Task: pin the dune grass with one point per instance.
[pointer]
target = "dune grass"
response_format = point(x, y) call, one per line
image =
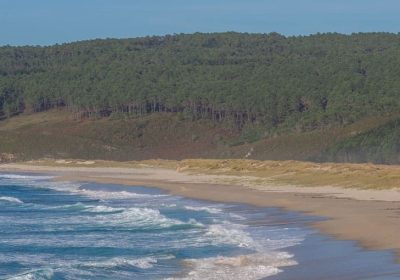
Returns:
point(296, 173)
point(363, 176)
point(51, 162)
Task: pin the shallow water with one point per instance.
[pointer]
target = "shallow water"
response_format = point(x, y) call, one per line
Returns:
point(65, 230)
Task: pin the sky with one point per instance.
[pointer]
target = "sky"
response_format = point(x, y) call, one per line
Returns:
point(46, 22)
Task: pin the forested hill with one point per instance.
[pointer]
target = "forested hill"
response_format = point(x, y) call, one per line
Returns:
point(263, 83)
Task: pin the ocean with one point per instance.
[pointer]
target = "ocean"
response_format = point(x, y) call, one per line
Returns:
point(69, 230)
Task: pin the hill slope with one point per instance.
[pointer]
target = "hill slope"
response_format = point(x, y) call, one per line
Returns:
point(56, 134)
point(265, 96)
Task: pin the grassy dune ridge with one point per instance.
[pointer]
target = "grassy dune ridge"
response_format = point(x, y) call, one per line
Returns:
point(296, 173)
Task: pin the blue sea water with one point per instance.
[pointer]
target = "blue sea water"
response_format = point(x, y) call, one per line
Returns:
point(67, 230)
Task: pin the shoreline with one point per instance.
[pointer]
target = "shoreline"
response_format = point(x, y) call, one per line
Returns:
point(369, 217)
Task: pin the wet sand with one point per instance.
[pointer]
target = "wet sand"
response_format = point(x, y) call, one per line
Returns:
point(370, 217)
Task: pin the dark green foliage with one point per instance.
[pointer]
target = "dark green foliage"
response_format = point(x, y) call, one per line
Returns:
point(265, 80)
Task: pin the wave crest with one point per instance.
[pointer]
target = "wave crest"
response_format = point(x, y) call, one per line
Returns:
point(250, 267)
point(11, 199)
point(42, 274)
point(204, 209)
point(141, 263)
point(25, 177)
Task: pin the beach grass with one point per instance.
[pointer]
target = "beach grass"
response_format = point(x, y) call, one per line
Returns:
point(363, 176)
point(170, 164)
point(296, 173)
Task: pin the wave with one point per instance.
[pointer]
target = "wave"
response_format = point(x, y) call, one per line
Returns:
point(114, 195)
point(25, 177)
point(76, 188)
point(249, 267)
point(139, 217)
point(80, 207)
point(228, 233)
point(67, 207)
point(136, 217)
point(204, 209)
point(11, 199)
point(115, 263)
point(88, 217)
point(238, 235)
point(39, 181)
point(101, 209)
point(87, 208)
point(41, 274)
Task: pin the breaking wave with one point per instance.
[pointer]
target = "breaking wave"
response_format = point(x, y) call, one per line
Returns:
point(41, 274)
point(249, 267)
point(11, 199)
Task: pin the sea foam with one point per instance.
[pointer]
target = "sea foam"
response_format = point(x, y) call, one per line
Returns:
point(210, 210)
point(42, 274)
point(25, 177)
point(228, 233)
point(10, 199)
point(249, 267)
point(141, 263)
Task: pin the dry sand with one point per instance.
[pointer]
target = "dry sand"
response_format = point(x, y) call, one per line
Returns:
point(371, 217)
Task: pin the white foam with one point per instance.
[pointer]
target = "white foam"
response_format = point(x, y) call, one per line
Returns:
point(119, 262)
point(76, 188)
point(249, 267)
point(77, 265)
point(113, 195)
point(77, 206)
point(142, 263)
point(135, 217)
point(168, 205)
point(140, 217)
point(104, 215)
point(43, 274)
point(204, 209)
point(25, 177)
point(101, 209)
point(228, 233)
point(11, 199)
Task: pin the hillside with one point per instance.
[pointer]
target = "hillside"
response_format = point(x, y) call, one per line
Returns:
point(56, 134)
point(325, 97)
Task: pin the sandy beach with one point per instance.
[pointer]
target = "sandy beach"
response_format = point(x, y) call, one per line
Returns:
point(368, 216)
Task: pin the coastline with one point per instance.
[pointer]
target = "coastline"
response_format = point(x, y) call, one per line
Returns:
point(370, 217)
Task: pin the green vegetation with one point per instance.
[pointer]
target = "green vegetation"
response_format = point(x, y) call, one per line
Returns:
point(277, 93)
point(381, 144)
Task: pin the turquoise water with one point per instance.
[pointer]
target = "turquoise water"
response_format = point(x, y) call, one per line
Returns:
point(68, 230)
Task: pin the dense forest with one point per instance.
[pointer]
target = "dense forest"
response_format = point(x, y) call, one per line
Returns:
point(267, 79)
point(261, 84)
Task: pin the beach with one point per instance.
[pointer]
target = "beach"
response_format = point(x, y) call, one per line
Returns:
point(369, 217)
point(60, 225)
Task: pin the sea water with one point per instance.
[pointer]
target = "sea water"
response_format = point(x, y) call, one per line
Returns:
point(67, 230)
